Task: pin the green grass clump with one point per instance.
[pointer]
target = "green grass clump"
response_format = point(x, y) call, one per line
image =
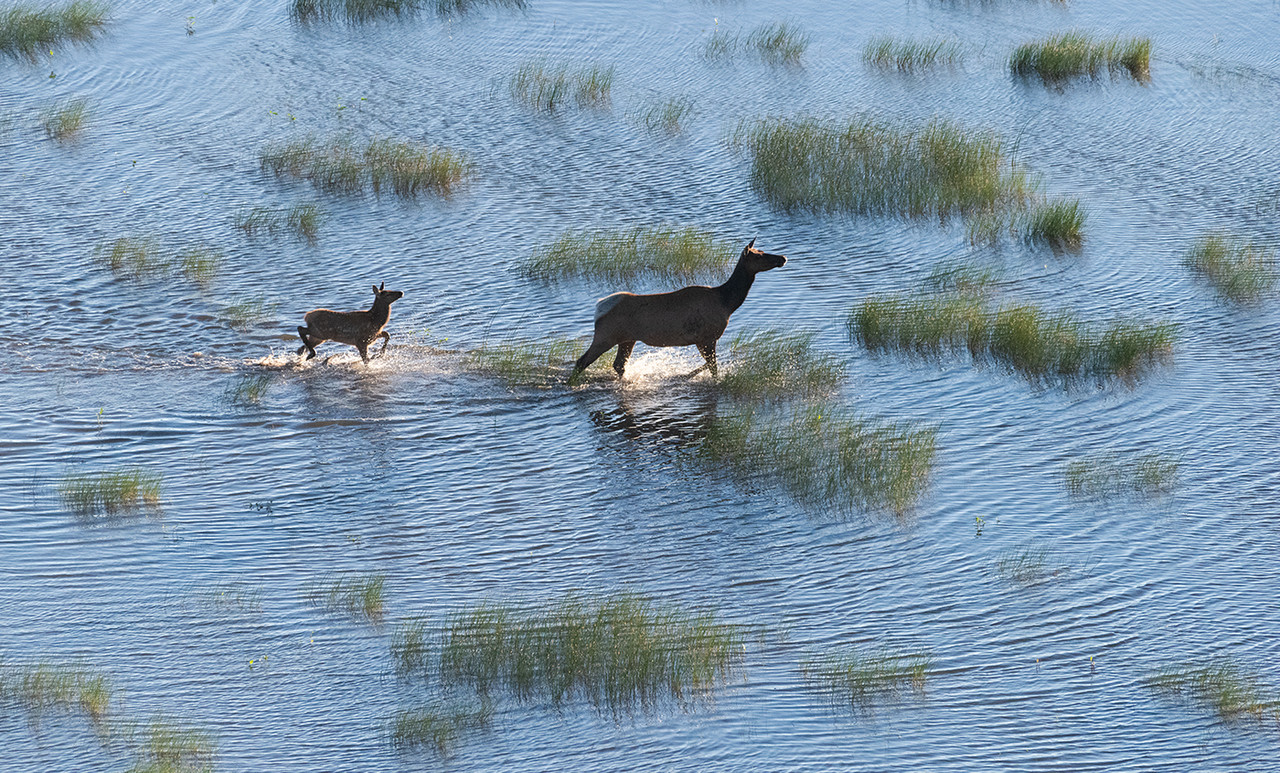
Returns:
point(1042, 346)
point(1241, 271)
point(865, 167)
point(1221, 685)
point(620, 651)
point(169, 748)
point(303, 220)
point(626, 254)
point(113, 491)
point(360, 596)
point(342, 166)
point(142, 257)
point(1113, 475)
point(670, 116)
point(42, 687)
point(1056, 223)
point(826, 456)
point(777, 43)
point(247, 312)
point(1077, 53)
point(28, 31)
point(411, 649)
point(437, 727)
point(550, 89)
point(909, 55)
point(351, 10)
point(519, 363)
point(772, 365)
point(64, 120)
point(861, 678)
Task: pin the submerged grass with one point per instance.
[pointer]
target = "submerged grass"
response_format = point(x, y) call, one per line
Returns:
point(303, 220)
point(142, 257)
point(527, 363)
point(939, 169)
point(620, 652)
point(1113, 475)
point(910, 55)
point(964, 278)
point(42, 687)
point(29, 30)
point(779, 43)
point(1028, 566)
point(670, 116)
point(624, 254)
point(341, 165)
point(1042, 346)
point(826, 456)
point(861, 678)
point(438, 727)
point(248, 390)
point(773, 364)
point(245, 313)
point(124, 490)
point(1223, 686)
point(548, 89)
point(356, 11)
point(1076, 53)
point(170, 748)
point(1241, 271)
point(360, 596)
point(63, 121)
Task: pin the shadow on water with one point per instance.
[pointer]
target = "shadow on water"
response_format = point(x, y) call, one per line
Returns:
point(677, 419)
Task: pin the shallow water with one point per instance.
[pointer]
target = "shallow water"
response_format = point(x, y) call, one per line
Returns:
point(460, 489)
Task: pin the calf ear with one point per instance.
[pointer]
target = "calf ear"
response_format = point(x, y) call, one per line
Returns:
point(751, 244)
point(375, 289)
point(382, 287)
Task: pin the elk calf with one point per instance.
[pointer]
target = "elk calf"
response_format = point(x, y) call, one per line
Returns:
point(694, 315)
point(356, 328)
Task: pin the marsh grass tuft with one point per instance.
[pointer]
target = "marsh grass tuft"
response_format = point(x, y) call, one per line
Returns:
point(524, 363)
point(1028, 567)
point(245, 313)
point(63, 121)
point(670, 116)
point(778, 43)
point(42, 687)
point(1223, 686)
point(438, 727)
point(625, 254)
point(231, 597)
point(963, 278)
point(774, 365)
point(29, 31)
point(910, 56)
point(620, 652)
point(341, 165)
point(124, 490)
point(248, 390)
point(142, 257)
point(826, 456)
point(170, 748)
point(411, 650)
point(352, 10)
point(1076, 53)
point(303, 220)
point(862, 678)
point(1241, 271)
point(1056, 223)
point(548, 90)
point(1113, 475)
point(865, 167)
point(360, 596)
point(1042, 346)
point(459, 7)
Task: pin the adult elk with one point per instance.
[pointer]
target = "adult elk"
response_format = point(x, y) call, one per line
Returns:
point(356, 328)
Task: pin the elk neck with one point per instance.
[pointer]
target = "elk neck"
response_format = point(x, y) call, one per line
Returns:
point(734, 291)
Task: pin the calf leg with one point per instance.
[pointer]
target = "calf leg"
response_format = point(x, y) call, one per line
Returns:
point(386, 340)
point(709, 354)
point(364, 352)
point(307, 345)
point(624, 351)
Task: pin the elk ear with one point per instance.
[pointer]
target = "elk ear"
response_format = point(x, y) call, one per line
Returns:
point(382, 287)
point(375, 289)
point(751, 244)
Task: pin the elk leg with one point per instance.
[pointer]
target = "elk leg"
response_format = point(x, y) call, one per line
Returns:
point(624, 351)
point(364, 353)
point(307, 345)
point(592, 354)
point(386, 340)
point(709, 354)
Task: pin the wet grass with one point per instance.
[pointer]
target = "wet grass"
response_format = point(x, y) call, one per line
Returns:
point(861, 678)
point(1028, 567)
point(864, 167)
point(63, 121)
point(1059, 223)
point(351, 10)
point(910, 56)
point(139, 258)
point(626, 254)
point(529, 363)
point(438, 727)
point(248, 390)
point(964, 278)
point(42, 687)
point(669, 117)
point(777, 365)
point(245, 313)
point(167, 747)
point(28, 30)
point(548, 90)
point(778, 43)
point(411, 649)
point(1042, 346)
point(1074, 53)
point(826, 456)
point(360, 596)
point(1112, 475)
point(1241, 271)
point(112, 492)
point(341, 165)
point(303, 220)
point(1223, 686)
point(620, 652)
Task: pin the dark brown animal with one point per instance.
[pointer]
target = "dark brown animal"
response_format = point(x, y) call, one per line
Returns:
point(356, 328)
point(694, 315)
